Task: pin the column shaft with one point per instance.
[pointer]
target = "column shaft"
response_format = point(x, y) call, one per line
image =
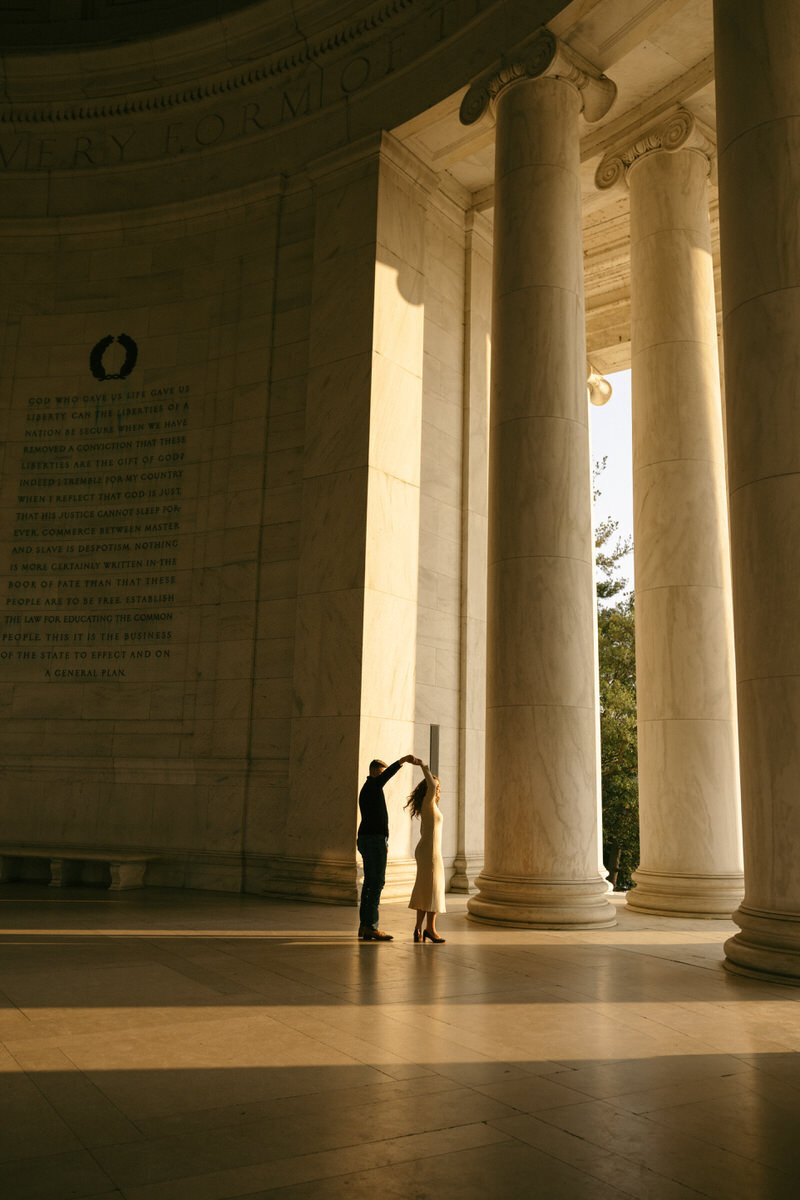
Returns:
point(691, 861)
point(472, 675)
point(757, 49)
point(542, 853)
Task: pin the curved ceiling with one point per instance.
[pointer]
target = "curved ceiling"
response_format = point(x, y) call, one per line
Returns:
point(40, 25)
point(267, 87)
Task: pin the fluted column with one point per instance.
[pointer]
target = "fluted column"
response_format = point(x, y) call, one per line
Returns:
point(757, 49)
point(689, 809)
point(542, 845)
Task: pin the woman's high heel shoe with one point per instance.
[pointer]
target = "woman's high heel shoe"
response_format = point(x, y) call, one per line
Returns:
point(434, 937)
point(418, 935)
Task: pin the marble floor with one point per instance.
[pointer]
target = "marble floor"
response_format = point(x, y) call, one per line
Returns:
point(168, 1045)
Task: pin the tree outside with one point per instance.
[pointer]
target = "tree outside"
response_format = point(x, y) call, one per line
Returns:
point(618, 747)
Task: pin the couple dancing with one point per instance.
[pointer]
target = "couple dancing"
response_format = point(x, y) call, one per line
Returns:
point(427, 896)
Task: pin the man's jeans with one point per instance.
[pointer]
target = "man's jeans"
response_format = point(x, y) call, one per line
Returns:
point(373, 848)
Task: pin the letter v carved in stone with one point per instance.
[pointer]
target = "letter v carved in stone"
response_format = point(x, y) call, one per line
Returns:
point(7, 157)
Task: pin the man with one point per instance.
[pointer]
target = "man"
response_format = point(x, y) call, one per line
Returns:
point(372, 840)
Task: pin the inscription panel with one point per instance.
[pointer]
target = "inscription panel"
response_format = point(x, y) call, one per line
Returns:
point(98, 501)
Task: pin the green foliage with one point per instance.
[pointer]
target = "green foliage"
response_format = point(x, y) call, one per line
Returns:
point(607, 560)
point(618, 754)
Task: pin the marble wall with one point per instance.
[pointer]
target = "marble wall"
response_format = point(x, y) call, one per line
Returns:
point(319, 522)
point(438, 647)
point(132, 500)
point(273, 661)
point(451, 637)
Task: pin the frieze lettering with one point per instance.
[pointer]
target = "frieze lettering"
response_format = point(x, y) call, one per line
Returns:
point(261, 97)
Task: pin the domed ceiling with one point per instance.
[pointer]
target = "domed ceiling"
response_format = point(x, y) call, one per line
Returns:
point(103, 84)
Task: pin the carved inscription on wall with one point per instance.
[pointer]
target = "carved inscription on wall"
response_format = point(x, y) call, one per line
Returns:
point(263, 95)
point(95, 534)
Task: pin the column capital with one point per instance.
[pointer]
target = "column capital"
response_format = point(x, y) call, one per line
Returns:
point(541, 55)
point(681, 130)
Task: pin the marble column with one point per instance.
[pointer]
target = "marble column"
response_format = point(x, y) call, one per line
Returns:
point(689, 808)
point(542, 845)
point(472, 676)
point(757, 50)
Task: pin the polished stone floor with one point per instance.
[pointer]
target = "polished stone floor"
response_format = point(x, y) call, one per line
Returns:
point(167, 1045)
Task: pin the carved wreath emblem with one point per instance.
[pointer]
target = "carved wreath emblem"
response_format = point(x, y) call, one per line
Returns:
point(96, 357)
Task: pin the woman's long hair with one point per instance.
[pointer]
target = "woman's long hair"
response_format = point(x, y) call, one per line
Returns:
point(414, 801)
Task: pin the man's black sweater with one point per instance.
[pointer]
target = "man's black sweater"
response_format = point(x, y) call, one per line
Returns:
point(372, 803)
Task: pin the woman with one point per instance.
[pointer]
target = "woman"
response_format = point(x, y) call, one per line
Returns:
point(427, 896)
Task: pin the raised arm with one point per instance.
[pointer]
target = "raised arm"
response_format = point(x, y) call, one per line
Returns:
point(392, 770)
point(430, 789)
point(419, 763)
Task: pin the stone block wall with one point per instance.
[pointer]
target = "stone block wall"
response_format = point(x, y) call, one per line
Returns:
point(232, 538)
point(132, 498)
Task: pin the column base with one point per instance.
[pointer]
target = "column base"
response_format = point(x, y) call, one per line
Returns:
point(466, 869)
point(542, 904)
point(323, 881)
point(767, 948)
point(400, 876)
point(705, 896)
